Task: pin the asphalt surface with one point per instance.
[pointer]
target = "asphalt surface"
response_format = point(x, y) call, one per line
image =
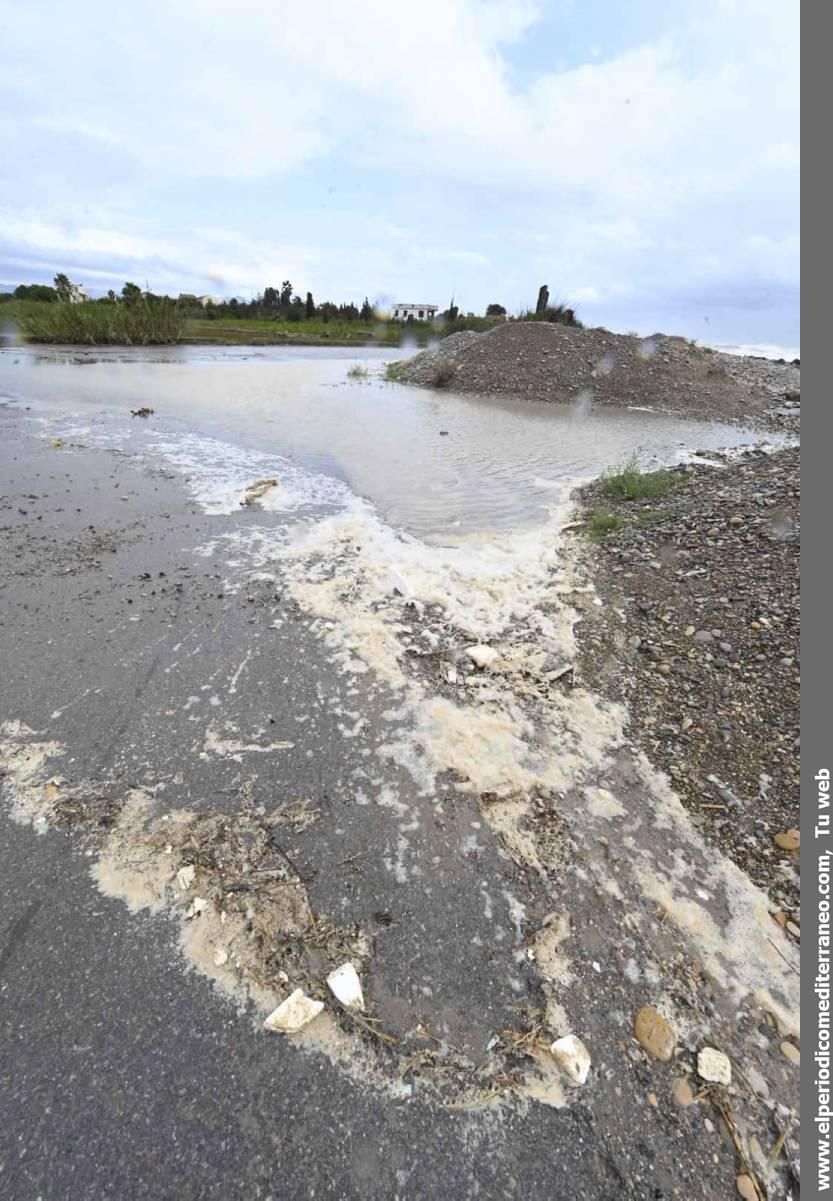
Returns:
point(126, 1073)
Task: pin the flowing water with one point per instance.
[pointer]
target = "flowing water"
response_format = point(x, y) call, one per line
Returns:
point(434, 464)
point(406, 525)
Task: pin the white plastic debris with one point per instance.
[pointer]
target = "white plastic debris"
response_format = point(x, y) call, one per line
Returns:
point(346, 986)
point(185, 876)
point(196, 907)
point(220, 957)
point(482, 655)
point(572, 1057)
point(398, 583)
point(714, 1066)
point(294, 1013)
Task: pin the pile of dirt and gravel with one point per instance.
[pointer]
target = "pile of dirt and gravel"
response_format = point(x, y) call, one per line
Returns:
point(699, 634)
point(541, 361)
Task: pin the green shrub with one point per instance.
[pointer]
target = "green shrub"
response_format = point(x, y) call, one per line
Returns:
point(555, 314)
point(629, 483)
point(443, 374)
point(147, 323)
point(601, 522)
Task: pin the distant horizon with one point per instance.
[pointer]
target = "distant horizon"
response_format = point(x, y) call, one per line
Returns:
point(768, 349)
point(786, 346)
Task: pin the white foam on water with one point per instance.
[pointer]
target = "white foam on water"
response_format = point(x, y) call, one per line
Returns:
point(218, 473)
point(372, 589)
point(353, 567)
point(364, 582)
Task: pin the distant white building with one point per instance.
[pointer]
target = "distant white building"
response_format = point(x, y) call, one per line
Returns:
point(419, 312)
point(77, 295)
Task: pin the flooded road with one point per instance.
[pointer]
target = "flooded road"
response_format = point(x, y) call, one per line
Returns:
point(435, 464)
point(343, 724)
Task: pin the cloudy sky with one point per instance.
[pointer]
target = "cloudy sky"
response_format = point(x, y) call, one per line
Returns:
point(640, 158)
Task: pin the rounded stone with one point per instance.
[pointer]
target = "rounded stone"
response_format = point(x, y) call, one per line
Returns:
point(655, 1033)
point(746, 1188)
point(790, 1051)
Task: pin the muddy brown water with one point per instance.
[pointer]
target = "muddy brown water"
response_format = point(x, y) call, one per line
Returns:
point(435, 464)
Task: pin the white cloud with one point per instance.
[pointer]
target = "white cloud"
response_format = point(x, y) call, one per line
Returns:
point(472, 258)
point(147, 134)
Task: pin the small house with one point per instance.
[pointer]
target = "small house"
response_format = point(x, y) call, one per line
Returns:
point(418, 312)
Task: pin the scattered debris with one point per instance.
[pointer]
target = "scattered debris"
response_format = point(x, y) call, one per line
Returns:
point(345, 985)
point(144, 411)
point(185, 876)
point(655, 1033)
point(561, 672)
point(714, 1066)
point(772, 1158)
point(297, 1011)
point(572, 1057)
point(254, 492)
point(482, 656)
point(57, 442)
point(197, 906)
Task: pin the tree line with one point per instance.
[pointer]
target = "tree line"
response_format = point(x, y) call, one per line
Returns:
point(283, 302)
point(278, 304)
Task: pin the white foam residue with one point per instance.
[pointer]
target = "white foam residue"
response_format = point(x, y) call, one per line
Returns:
point(602, 803)
point(509, 731)
point(234, 748)
point(367, 582)
point(481, 583)
point(517, 913)
point(218, 474)
point(396, 863)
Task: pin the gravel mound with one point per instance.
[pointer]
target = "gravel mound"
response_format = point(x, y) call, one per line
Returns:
point(699, 633)
point(539, 361)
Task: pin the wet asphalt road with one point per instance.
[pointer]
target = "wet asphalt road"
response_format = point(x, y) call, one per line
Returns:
point(122, 1073)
